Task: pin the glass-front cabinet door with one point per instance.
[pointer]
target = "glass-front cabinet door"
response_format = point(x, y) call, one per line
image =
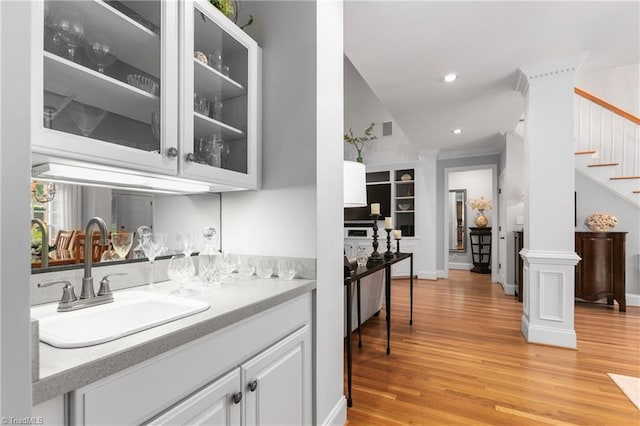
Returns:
point(219, 94)
point(109, 87)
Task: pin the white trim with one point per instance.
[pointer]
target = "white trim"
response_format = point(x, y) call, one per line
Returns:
point(428, 275)
point(480, 152)
point(460, 265)
point(632, 299)
point(442, 274)
point(548, 336)
point(509, 289)
point(542, 257)
point(337, 416)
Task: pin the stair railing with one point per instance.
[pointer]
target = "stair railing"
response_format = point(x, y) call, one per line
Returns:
point(611, 132)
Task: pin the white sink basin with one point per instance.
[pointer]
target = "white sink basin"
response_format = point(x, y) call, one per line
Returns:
point(131, 312)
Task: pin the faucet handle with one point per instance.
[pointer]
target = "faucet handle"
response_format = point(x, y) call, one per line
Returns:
point(68, 294)
point(104, 283)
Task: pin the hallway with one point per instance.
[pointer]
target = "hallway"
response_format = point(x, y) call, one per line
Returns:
point(464, 361)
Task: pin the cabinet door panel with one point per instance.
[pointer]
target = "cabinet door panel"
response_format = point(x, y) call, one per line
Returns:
point(212, 405)
point(115, 104)
point(283, 375)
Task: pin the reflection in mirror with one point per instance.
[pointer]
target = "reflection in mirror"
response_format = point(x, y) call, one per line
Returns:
point(457, 227)
point(67, 213)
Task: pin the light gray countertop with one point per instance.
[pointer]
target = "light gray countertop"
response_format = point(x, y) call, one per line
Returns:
point(63, 370)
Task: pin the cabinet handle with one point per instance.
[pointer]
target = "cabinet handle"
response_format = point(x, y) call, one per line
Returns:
point(236, 397)
point(253, 385)
point(172, 152)
point(190, 157)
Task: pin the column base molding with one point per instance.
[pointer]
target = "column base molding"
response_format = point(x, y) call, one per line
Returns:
point(548, 336)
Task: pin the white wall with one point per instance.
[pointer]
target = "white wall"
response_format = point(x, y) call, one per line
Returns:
point(187, 213)
point(513, 166)
point(591, 197)
point(478, 183)
point(299, 211)
point(361, 108)
point(619, 86)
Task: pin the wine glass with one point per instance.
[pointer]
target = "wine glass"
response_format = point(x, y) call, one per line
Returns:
point(86, 117)
point(122, 241)
point(56, 98)
point(152, 245)
point(181, 268)
point(185, 242)
point(68, 27)
point(101, 51)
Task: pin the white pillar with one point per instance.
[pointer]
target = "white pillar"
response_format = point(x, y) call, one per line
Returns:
point(549, 256)
point(425, 261)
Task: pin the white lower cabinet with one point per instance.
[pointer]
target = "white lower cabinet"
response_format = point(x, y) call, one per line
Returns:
point(258, 371)
point(270, 389)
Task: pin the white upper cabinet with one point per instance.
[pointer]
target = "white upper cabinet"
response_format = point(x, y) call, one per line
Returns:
point(219, 98)
point(117, 81)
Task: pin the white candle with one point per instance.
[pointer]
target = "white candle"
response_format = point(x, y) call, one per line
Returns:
point(375, 208)
point(388, 223)
point(397, 234)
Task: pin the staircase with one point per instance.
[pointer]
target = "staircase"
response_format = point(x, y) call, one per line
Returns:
point(607, 145)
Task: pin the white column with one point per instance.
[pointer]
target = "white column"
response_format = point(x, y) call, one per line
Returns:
point(549, 256)
point(425, 260)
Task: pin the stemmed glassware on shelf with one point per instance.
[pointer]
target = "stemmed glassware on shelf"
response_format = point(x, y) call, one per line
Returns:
point(100, 51)
point(86, 117)
point(68, 29)
point(153, 243)
point(55, 98)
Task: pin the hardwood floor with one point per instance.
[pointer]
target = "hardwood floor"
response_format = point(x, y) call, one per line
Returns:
point(464, 361)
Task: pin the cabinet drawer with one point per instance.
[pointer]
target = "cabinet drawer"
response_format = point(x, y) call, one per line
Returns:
point(142, 391)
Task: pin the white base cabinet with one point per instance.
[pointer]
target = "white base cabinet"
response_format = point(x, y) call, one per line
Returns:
point(258, 371)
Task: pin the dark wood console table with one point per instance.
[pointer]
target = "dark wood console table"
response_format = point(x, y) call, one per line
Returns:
point(360, 273)
point(519, 263)
point(601, 271)
point(480, 249)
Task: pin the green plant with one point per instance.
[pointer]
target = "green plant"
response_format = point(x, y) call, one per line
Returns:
point(359, 142)
point(230, 9)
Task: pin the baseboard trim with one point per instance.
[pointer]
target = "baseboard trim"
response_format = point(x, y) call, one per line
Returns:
point(632, 299)
point(337, 416)
point(443, 274)
point(464, 266)
point(428, 275)
point(509, 289)
point(548, 336)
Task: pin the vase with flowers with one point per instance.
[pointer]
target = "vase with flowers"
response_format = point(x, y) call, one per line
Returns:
point(359, 142)
point(481, 204)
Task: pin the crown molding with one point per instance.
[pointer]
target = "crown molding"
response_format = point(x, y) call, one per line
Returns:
point(528, 73)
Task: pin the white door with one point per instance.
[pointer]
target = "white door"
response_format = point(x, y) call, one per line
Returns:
point(216, 404)
point(277, 383)
point(502, 231)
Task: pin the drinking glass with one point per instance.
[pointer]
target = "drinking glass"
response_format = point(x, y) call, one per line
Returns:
point(264, 267)
point(362, 258)
point(86, 117)
point(181, 269)
point(152, 245)
point(68, 28)
point(122, 241)
point(286, 269)
point(247, 266)
point(216, 107)
point(56, 98)
point(230, 262)
point(155, 124)
point(215, 59)
point(200, 104)
point(185, 242)
point(101, 51)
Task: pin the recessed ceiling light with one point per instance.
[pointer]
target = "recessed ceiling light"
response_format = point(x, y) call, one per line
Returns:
point(449, 78)
point(456, 131)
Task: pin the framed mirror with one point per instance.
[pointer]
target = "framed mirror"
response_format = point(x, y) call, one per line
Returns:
point(457, 222)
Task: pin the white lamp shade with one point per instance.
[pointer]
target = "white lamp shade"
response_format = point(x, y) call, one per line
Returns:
point(355, 187)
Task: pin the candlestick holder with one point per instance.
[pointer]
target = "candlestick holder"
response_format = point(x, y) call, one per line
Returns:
point(398, 246)
point(375, 257)
point(388, 255)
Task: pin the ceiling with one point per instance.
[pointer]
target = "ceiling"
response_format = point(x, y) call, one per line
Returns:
point(402, 49)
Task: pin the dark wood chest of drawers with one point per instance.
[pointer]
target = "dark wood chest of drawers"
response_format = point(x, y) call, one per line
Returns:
point(601, 272)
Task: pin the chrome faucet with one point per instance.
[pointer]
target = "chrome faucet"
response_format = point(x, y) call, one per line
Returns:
point(44, 246)
point(87, 282)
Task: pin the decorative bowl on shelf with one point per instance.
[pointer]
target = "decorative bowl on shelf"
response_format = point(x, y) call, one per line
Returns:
point(143, 83)
point(600, 222)
point(404, 206)
point(405, 176)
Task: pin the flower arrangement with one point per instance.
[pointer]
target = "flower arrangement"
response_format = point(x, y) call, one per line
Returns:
point(481, 204)
point(600, 222)
point(359, 141)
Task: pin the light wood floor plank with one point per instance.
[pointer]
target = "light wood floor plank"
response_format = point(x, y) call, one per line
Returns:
point(464, 361)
